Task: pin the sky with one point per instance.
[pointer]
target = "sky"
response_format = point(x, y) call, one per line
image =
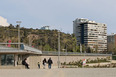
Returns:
point(58, 14)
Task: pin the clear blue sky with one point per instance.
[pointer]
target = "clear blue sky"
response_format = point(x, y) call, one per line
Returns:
point(59, 14)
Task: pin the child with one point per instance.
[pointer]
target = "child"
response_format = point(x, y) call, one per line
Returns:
point(38, 65)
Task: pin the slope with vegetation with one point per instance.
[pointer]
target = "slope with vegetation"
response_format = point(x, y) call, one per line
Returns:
point(45, 40)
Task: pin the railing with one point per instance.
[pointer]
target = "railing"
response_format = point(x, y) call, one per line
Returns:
point(73, 53)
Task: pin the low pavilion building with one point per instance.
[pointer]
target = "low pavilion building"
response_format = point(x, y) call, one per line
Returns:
point(12, 57)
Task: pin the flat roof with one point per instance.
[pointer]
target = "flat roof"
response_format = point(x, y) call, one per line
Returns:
point(26, 49)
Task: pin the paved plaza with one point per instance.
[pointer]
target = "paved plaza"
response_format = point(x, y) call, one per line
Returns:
point(61, 72)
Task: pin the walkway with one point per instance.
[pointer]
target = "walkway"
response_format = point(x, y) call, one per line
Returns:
point(62, 72)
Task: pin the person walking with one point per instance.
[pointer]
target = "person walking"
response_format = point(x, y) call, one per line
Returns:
point(44, 63)
point(50, 63)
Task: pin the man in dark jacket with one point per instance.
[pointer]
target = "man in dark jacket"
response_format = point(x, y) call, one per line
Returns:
point(49, 63)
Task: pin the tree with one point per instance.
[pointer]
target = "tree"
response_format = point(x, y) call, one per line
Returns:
point(41, 39)
point(47, 48)
point(11, 26)
point(88, 50)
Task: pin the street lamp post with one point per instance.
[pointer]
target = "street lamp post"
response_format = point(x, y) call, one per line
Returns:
point(80, 48)
point(29, 39)
point(19, 22)
point(58, 49)
point(66, 53)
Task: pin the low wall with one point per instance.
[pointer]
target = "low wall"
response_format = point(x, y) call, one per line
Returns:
point(68, 58)
point(33, 61)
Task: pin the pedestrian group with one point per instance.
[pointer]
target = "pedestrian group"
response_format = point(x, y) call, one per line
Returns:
point(49, 62)
point(44, 62)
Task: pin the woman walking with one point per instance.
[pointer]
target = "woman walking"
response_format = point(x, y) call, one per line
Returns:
point(44, 63)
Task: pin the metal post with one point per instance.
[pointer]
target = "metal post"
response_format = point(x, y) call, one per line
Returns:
point(29, 39)
point(58, 49)
point(15, 59)
point(80, 48)
point(18, 34)
point(66, 53)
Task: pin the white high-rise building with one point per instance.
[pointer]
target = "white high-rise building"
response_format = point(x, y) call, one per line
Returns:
point(91, 34)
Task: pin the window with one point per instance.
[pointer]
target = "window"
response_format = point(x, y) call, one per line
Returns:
point(7, 59)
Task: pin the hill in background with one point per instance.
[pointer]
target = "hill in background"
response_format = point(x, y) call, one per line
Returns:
point(45, 40)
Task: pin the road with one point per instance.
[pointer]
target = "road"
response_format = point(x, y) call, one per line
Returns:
point(62, 72)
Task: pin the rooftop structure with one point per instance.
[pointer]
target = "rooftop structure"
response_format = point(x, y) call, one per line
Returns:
point(45, 28)
point(24, 49)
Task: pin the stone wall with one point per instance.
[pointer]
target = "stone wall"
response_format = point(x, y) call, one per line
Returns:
point(33, 61)
point(68, 59)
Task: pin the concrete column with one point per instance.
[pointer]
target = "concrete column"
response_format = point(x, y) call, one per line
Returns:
point(15, 59)
point(20, 59)
point(0, 60)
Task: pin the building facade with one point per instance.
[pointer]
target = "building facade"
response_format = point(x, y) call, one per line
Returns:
point(91, 34)
point(111, 42)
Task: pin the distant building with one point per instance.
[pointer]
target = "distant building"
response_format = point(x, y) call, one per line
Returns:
point(111, 41)
point(45, 28)
point(91, 34)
